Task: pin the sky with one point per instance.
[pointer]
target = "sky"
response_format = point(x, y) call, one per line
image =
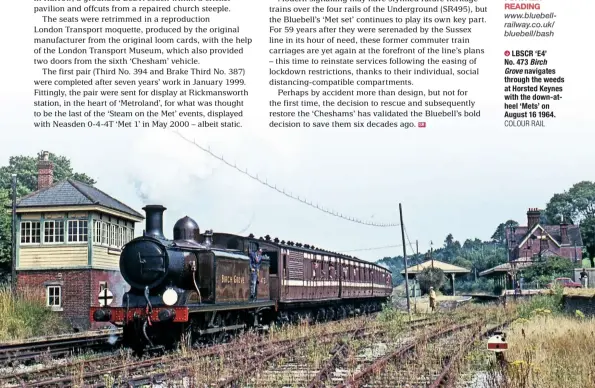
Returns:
point(459, 176)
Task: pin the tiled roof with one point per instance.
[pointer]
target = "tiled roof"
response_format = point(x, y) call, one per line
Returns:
point(445, 267)
point(574, 234)
point(70, 192)
point(506, 267)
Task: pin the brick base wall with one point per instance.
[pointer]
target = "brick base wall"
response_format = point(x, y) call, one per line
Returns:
point(585, 304)
point(80, 290)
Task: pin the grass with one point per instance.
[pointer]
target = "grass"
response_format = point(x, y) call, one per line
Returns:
point(26, 316)
point(548, 351)
point(547, 348)
point(580, 291)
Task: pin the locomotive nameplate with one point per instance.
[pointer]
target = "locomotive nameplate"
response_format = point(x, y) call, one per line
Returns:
point(233, 279)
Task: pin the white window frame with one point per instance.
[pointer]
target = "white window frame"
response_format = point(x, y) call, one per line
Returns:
point(78, 237)
point(53, 306)
point(97, 231)
point(104, 233)
point(112, 235)
point(29, 233)
point(54, 235)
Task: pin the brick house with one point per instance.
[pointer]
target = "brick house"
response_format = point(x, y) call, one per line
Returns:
point(534, 240)
point(527, 244)
point(69, 241)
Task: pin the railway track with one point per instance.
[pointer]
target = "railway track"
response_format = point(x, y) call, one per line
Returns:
point(448, 376)
point(224, 365)
point(137, 372)
point(363, 357)
point(58, 346)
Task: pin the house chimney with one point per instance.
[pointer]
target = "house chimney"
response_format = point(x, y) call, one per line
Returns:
point(533, 217)
point(564, 233)
point(45, 171)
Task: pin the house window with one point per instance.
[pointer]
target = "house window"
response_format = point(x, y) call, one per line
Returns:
point(54, 296)
point(102, 286)
point(97, 230)
point(53, 232)
point(77, 231)
point(30, 232)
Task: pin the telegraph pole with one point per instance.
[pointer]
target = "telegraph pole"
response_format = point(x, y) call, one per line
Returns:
point(13, 275)
point(405, 261)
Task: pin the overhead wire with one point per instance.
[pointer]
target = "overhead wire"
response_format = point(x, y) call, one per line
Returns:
point(282, 191)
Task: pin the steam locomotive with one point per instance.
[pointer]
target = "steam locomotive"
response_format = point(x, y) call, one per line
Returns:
point(197, 285)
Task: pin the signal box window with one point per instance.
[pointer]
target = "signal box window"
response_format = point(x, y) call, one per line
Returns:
point(77, 231)
point(30, 232)
point(54, 297)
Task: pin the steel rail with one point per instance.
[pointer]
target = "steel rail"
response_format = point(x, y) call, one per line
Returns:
point(446, 378)
point(379, 364)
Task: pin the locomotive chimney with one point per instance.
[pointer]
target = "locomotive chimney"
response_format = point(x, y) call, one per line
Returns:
point(154, 224)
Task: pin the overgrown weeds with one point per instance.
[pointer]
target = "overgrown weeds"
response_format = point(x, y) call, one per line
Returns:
point(25, 315)
point(551, 302)
point(548, 351)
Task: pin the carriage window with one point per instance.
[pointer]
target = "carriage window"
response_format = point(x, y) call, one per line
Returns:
point(285, 264)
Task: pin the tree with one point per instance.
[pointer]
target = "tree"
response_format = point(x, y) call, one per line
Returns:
point(588, 234)
point(26, 169)
point(551, 268)
point(500, 233)
point(451, 248)
point(430, 277)
point(576, 204)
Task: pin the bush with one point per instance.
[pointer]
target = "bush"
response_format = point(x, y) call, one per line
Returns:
point(551, 302)
point(27, 316)
point(430, 277)
point(544, 272)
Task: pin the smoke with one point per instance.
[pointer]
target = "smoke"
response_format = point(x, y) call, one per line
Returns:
point(118, 287)
point(141, 190)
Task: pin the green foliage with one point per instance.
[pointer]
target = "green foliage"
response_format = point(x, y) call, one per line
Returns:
point(499, 235)
point(390, 314)
point(544, 272)
point(575, 204)
point(430, 277)
point(26, 169)
point(550, 303)
point(395, 265)
point(5, 235)
point(481, 285)
point(26, 316)
point(588, 235)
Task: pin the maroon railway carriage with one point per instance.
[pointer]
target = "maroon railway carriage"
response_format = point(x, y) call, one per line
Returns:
point(304, 280)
